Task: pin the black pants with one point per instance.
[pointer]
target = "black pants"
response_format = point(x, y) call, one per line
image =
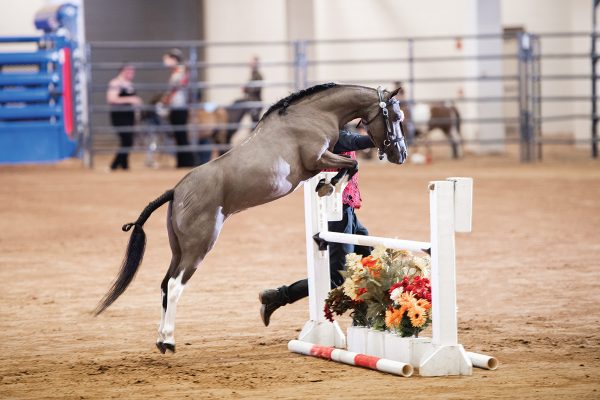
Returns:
point(120, 119)
point(337, 256)
point(178, 117)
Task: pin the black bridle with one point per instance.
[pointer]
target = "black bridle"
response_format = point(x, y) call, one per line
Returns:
point(389, 135)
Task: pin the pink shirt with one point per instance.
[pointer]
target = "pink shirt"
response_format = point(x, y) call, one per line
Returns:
point(351, 194)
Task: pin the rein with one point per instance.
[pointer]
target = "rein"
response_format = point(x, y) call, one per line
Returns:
point(389, 136)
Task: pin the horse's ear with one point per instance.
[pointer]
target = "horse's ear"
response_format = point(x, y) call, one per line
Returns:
point(397, 91)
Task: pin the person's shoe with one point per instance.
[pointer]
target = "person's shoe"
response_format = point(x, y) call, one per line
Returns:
point(270, 302)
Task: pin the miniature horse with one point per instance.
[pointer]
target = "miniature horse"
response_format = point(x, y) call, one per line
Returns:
point(291, 143)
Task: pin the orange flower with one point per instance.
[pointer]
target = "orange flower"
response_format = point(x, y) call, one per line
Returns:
point(408, 298)
point(424, 304)
point(417, 316)
point(368, 261)
point(393, 318)
point(373, 265)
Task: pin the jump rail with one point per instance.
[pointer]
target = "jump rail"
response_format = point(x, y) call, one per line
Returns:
point(450, 211)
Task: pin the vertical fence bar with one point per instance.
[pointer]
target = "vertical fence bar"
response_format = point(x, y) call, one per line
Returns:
point(411, 89)
point(594, 59)
point(300, 65)
point(524, 96)
point(536, 76)
point(193, 94)
point(88, 134)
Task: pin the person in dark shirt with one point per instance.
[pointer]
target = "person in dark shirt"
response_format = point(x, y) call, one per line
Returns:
point(122, 99)
point(272, 299)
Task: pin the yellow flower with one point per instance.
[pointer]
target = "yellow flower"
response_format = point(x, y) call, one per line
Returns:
point(352, 260)
point(417, 316)
point(393, 318)
point(349, 288)
point(422, 264)
point(379, 251)
point(403, 253)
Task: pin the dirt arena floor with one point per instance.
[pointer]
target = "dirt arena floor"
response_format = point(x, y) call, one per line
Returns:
point(528, 287)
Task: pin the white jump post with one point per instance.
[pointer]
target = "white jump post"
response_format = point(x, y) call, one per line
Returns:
point(318, 329)
point(450, 203)
point(450, 212)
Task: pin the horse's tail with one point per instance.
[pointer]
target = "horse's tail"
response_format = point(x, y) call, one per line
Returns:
point(135, 253)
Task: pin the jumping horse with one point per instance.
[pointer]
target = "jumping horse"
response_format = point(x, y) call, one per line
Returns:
point(291, 143)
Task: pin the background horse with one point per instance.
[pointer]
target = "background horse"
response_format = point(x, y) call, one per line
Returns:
point(426, 117)
point(291, 143)
point(226, 119)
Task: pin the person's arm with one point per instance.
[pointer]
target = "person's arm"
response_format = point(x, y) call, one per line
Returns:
point(352, 141)
point(112, 94)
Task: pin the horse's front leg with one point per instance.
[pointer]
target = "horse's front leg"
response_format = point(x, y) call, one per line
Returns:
point(329, 160)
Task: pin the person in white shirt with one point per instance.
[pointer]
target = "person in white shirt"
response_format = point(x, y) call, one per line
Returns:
point(176, 98)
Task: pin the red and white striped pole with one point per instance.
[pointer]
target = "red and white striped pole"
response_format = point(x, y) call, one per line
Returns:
point(350, 358)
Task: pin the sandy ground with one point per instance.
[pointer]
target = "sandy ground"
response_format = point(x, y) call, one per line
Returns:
point(528, 287)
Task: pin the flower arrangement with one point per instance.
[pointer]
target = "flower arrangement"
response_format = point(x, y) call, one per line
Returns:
point(387, 290)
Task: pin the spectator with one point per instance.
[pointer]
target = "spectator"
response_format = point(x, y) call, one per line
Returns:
point(122, 99)
point(252, 92)
point(177, 100)
point(253, 89)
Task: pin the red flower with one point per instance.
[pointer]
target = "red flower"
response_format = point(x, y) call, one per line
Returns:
point(328, 313)
point(394, 286)
point(361, 291)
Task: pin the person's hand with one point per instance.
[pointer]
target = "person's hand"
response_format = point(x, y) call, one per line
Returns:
point(137, 101)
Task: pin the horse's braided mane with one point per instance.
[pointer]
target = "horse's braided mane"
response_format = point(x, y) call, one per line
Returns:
point(284, 103)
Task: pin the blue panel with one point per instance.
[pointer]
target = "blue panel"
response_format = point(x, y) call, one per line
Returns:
point(35, 57)
point(29, 112)
point(19, 39)
point(29, 143)
point(20, 79)
point(25, 95)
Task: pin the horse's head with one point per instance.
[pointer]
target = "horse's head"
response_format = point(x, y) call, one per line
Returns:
point(385, 127)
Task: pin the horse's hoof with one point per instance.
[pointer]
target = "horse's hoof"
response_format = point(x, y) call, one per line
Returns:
point(321, 183)
point(161, 347)
point(170, 347)
point(325, 190)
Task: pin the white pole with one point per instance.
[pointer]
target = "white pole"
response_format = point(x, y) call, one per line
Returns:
point(317, 211)
point(361, 240)
point(483, 361)
point(317, 260)
point(443, 263)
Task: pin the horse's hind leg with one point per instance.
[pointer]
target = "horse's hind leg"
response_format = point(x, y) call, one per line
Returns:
point(175, 259)
point(454, 139)
point(171, 289)
point(194, 243)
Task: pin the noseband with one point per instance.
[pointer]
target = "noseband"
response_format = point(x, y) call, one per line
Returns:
point(389, 135)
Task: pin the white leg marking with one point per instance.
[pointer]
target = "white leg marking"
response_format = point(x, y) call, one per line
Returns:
point(161, 337)
point(175, 288)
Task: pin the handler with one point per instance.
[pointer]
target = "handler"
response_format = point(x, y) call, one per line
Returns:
point(272, 299)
